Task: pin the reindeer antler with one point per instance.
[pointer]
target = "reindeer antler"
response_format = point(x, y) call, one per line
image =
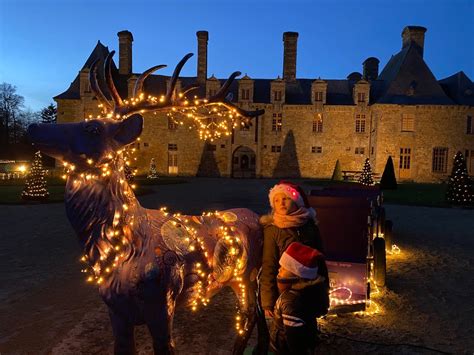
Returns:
point(168, 101)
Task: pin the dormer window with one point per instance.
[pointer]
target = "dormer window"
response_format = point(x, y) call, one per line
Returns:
point(245, 94)
point(212, 92)
point(361, 97)
point(318, 96)
point(277, 95)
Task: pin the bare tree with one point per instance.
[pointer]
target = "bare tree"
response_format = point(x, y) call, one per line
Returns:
point(10, 106)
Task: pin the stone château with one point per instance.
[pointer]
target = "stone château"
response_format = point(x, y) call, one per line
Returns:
point(403, 112)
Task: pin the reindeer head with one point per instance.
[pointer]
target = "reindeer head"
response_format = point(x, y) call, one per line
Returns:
point(86, 144)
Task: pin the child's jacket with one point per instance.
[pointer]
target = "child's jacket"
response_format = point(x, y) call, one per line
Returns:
point(294, 329)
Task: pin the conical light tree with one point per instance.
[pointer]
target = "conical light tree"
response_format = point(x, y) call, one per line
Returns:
point(152, 174)
point(388, 180)
point(459, 190)
point(35, 188)
point(366, 176)
point(337, 173)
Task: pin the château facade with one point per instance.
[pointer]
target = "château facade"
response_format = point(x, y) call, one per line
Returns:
point(403, 112)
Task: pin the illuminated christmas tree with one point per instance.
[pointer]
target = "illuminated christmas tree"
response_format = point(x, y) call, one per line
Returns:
point(459, 190)
point(366, 176)
point(35, 188)
point(152, 174)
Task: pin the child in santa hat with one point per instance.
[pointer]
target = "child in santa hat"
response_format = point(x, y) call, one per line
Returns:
point(303, 282)
point(292, 220)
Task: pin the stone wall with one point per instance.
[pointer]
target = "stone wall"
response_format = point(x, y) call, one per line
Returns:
point(435, 126)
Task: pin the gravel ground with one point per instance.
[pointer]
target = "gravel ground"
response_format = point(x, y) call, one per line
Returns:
point(46, 307)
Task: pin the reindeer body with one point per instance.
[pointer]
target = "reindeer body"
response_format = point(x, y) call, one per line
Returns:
point(147, 262)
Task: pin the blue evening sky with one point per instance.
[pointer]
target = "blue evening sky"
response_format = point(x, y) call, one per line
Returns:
point(44, 43)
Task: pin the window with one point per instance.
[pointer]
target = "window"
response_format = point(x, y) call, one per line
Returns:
point(470, 126)
point(318, 123)
point(405, 158)
point(359, 150)
point(318, 96)
point(276, 122)
point(245, 94)
point(211, 147)
point(172, 147)
point(145, 144)
point(372, 151)
point(316, 149)
point(222, 145)
point(277, 95)
point(212, 92)
point(360, 123)
point(172, 125)
point(172, 163)
point(408, 123)
point(361, 97)
point(440, 159)
point(276, 148)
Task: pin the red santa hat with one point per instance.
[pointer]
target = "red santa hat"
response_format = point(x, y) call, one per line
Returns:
point(291, 190)
point(301, 260)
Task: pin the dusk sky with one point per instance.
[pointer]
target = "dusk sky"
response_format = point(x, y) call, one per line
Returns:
point(44, 43)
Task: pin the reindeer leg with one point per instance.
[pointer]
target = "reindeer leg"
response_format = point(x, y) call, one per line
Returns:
point(124, 340)
point(160, 326)
point(249, 310)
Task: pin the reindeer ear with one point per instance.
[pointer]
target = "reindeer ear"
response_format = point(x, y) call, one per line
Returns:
point(129, 129)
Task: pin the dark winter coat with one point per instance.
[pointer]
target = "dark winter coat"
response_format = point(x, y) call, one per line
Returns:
point(294, 329)
point(276, 240)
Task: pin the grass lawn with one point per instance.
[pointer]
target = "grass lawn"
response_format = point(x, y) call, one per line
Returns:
point(10, 190)
point(431, 195)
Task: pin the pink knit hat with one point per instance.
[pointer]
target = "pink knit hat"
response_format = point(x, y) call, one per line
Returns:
point(291, 190)
point(301, 260)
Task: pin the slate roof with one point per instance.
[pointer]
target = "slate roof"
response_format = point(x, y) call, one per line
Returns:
point(460, 88)
point(405, 79)
point(408, 81)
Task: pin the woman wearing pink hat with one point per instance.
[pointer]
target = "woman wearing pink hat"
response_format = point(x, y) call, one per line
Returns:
point(291, 220)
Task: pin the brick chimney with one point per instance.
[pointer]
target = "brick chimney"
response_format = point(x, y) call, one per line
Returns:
point(289, 56)
point(414, 35)
point(125, 52)
point(203, 37)
point(371, 68)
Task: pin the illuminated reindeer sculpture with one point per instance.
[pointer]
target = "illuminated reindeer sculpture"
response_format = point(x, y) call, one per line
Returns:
point(147, 262)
